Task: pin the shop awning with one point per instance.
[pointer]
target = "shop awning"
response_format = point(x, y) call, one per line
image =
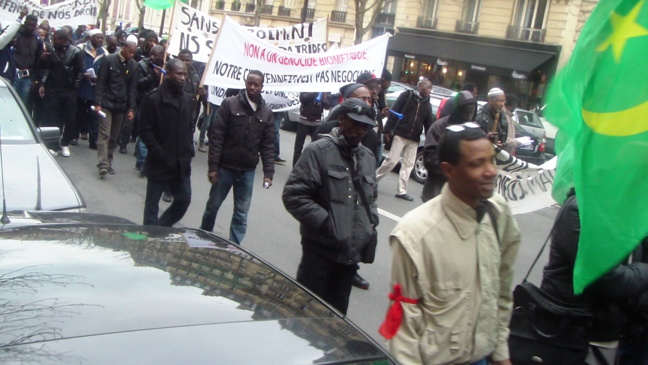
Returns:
point(470, 51)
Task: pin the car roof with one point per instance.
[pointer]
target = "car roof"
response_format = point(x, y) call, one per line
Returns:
point(123, 293)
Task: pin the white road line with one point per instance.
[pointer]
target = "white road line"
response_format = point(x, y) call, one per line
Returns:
point(391, 216)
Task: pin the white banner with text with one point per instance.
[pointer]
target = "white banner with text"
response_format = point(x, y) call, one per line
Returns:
point(72, 12)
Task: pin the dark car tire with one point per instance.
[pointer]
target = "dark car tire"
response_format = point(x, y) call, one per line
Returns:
point(419, 172)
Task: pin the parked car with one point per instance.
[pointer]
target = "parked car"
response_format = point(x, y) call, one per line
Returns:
point(106, 291)
point(396, 88)
point(32, 178)
point(534, 152)
point(550, 130)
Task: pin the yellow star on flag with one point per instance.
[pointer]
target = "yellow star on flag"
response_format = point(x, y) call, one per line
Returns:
point(625, 27)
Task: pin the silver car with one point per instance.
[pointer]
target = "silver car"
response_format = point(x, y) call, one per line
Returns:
point(32, 178)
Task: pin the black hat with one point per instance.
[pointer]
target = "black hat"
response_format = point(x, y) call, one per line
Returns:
point(367, 77)
point(358, 110)
point(348, 89)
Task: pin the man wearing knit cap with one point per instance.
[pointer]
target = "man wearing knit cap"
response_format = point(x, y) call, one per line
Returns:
point(491, 117)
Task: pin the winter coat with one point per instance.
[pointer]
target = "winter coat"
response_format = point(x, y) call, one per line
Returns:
point(147, 81)
point(166, 129)
point(417, 116)
point(604, 296)
point(240, 135)
point(485, 118)
point(116, 84)
point(310, 111)
point(321, 195)
point(86, 88)
point(64, 73)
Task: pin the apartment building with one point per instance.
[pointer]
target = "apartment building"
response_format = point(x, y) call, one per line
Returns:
point(517, 45)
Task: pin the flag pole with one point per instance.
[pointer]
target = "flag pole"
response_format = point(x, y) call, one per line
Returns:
point(170, 35)
point(204, 76)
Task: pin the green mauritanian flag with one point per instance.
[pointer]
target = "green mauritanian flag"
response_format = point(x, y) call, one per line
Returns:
point(160, 4)
point(599, 102)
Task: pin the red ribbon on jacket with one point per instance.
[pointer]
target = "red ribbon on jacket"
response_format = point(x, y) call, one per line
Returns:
point(394, 317)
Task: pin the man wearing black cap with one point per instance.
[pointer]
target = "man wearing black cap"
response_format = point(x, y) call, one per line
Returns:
point(332, 192)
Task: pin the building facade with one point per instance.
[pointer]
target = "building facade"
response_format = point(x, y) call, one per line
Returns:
point(517, 45)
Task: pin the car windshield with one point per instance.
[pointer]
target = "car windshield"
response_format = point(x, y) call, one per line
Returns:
point(529, 119)
point(14, 127)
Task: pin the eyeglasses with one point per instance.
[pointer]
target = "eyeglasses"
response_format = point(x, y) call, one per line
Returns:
point(362, 110)
point(462, 127)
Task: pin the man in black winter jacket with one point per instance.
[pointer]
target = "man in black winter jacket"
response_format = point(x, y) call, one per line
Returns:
point(323, 193)
point(115, 97)
point(603, 297)
point(417, 111)
point(62, 70)
point(167, 130)
point(243, 131)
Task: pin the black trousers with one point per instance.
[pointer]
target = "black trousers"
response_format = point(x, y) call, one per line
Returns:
point(302, 131)
point(328, 279)
point(62, 106)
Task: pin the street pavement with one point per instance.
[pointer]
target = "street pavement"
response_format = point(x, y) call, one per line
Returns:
point(272, 232)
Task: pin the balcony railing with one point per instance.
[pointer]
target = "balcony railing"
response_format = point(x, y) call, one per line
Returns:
point(266, 9)
point(283, 11)
point(467, 27)
point(423, 22)
point(525, 34)
point(386, 19)
point(310, 13)
point(338, 16)
point(250, 7)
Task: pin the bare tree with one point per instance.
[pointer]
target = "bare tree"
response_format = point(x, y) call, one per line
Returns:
point(363, 8)
point(103, 13)
point(142, 12)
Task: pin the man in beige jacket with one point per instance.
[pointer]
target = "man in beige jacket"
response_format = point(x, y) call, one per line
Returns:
point(452, 264)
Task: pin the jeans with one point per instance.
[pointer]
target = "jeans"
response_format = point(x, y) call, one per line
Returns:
point(181, 191)
point(277, 124)
point(23, 88)
point(208, 120)
point(302, 131)
point(141, 151)
point(242, 181)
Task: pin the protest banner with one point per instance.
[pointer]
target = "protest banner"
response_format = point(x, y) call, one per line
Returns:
point(193, 30)
point(526, 187)
point(307, 38)
point(73, 12)
point(237, 51)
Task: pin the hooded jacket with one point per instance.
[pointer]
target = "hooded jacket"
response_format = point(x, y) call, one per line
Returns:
point(433, 136)
point(321, 195)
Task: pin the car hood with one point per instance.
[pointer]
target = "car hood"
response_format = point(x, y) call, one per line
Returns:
point(34, 181)
point(132, 294)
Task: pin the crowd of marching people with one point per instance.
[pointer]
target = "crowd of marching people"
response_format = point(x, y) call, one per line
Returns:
point(453, 256)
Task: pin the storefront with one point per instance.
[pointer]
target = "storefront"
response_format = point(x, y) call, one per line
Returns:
point(452, 59)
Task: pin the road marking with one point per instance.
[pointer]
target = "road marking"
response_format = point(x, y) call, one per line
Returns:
point(391, 216)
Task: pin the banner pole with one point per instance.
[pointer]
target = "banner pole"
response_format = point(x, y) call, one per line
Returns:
point(202, 80)
point(327, 31)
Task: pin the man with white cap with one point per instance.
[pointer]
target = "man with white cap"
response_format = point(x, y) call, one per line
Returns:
point(332, 192)
point(491, 117)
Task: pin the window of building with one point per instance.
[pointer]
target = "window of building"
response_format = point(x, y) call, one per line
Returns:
point(469, 20)
point(429, 17)
point(529, 20)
